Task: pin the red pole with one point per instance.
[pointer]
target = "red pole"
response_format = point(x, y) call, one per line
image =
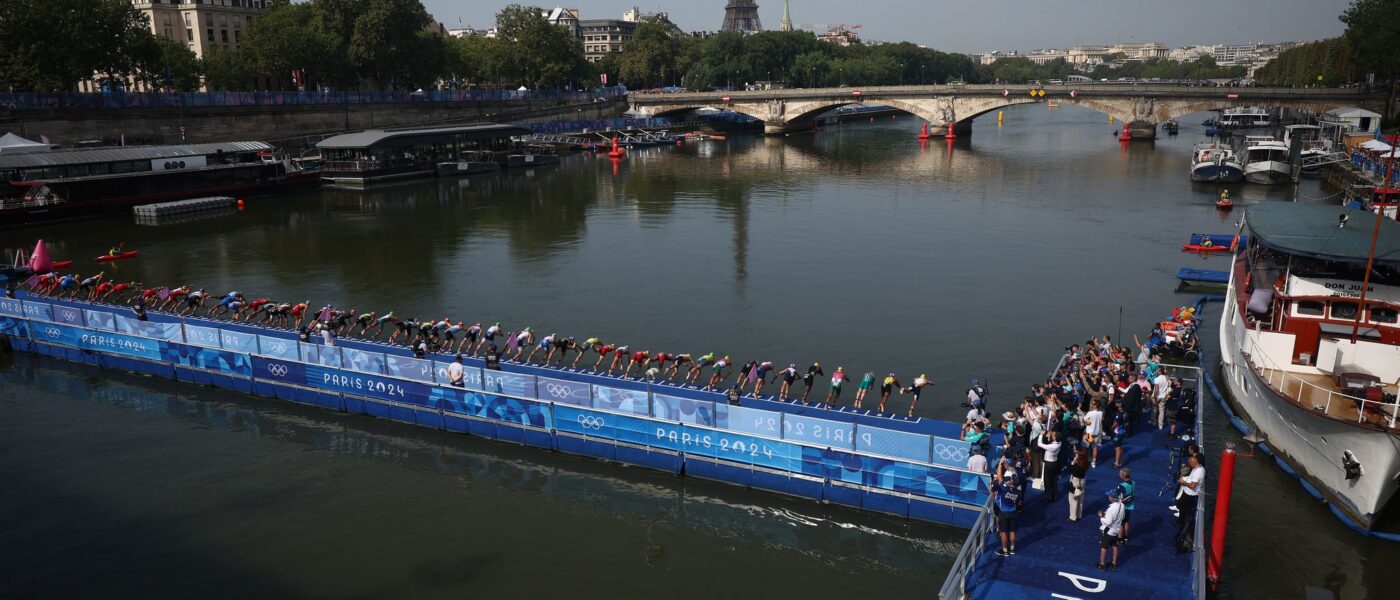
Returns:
point(1222, 514)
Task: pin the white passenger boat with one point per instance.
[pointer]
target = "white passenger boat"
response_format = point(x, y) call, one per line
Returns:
point(1213, 162)
point(1266, 160)
point(1312, 360)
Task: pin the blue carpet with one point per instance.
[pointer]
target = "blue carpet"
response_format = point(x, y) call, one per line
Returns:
point(1049, 546)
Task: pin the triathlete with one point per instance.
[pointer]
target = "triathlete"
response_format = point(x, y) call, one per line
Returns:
point(809, 379)
point(603, 350)
point(175, 297)
point(639, 360)
point(522, 340)
point(546, 343)
point(148, 297)
point(404, 327)
point(226, 303)
point(788, 376)
point(299, 311)
point(918, 386)
point(89, 286)
point(659, 359)
point(886, 386)
point(760, 377)
point(742, 379)
point(469, 338)
point(102, 290)
point(677, 361)
point(700, 364)
point(588, 344)
point(864, 388)
point(719, 372)
point(563, 346)
point(488, 338)
point(277, 313)
point(618, 354)
point(257, 306)
point(837, 378)
point(122, 288)
point(450, 334)
point(193, 301)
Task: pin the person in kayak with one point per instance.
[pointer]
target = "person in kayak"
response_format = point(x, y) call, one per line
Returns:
point(917, 387)
point(699, 367)
point(864, 388)
point(837, 378)
point(588, 344)
point(116, 250)
point(809, 379)
point(677, 362)
point(788, 376)
point(886, 387)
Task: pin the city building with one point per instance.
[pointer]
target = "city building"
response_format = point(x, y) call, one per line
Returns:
point(741, 16)
point(841, 35)
point(564, 17)
point(204, 26)
point(786, 23)
point(602, 37)
point(1041, 57)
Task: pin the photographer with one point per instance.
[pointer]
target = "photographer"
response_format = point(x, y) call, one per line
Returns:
point(1192, 484)
point(1050, 443)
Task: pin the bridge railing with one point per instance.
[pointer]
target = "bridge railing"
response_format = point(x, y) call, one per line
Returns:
point(100, 100)
point(1083, 89)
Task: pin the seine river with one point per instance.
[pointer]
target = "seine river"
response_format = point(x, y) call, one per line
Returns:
point(854, 247)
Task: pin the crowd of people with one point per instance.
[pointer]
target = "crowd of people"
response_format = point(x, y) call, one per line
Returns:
point(495, 344)
point(1085, 412)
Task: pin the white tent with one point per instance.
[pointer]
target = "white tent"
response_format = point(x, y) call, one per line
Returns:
point(13, 144)
point(1376, 146)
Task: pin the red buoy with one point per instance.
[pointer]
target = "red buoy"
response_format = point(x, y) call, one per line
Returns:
point(616, 151)
point(241, 204)
point(1125, 137)
point(923, 134)
point(951, 135)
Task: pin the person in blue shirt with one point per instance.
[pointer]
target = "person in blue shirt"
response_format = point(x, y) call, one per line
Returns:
point(1007, 490)
point(1127, 487)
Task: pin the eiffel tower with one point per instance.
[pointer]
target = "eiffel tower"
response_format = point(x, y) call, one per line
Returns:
point(741, 16)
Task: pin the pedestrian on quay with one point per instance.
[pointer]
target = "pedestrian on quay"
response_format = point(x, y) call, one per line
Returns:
point(1093, 431)
point(1161, 391)
point(1110, 526)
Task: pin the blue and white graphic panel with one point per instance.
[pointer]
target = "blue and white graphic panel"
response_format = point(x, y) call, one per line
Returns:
point(821, 432)
point(38, 310)
point(950, 452)
point(617, 427)
point(279, 348)
point(749, 420)
point(636, 402)
point(370, 386)
point(409, 368)
point(508, 383)
point(364, 362)
point(202, 336)
point(742, 448)
point(684, 410)
point(209, 359)
point(279, 370)
point(98, 319)
point(888, 442)
point(68, 315)
point(326, 356)
point(12, 307)
point(471, 376)
point(236, 341)
point(563, 391)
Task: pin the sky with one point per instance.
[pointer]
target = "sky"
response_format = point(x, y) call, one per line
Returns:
point(975, 26)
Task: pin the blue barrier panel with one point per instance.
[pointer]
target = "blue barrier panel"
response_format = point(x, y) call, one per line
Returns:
point(14, 327)
point(212, 359)
point(97, 319)
point(325, 356)
point(743, 448)
point(492, 406)
point(113, 343)
point(749, 420)
point(408, 368)
point(563, 391)
point(171, 332)
point(895, 475)
point(369, 386)
point(897, 444)
point(617, 427)
point(822, 432)
point(279, 370)
point(238, 342)
point(949, 452)
point(202, 336)
point(279, 348)
point(38, 310)
point(631, 401)
point(68, 315)
point(509, 383)
point(364, 362)
point(684, 410)
point(11, 306)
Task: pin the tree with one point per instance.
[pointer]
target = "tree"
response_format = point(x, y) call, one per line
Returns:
point(292, 37)
point(176, 68)
point(225, 71)
point(536, 53)
point(649, 59)
point(1373, 32)
point(48, 45)
point(386, 41)
point(1327, 62)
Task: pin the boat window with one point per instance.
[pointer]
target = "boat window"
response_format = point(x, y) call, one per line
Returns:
point(1310, 308)
point(1381, 314)
point(1344, 310)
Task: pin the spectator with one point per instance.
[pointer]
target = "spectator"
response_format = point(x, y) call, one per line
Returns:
point(455, 373)
point(1050, 476)
point(1127, 487)
point(1006, 486)
point(1078, 468)
point(1110, 526)
point(1191, 485)
point(1161, 391)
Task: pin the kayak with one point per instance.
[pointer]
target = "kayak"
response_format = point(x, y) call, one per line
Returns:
point(1224, 204)
point(62, 264)
point(1200, 248)
point(122, 256)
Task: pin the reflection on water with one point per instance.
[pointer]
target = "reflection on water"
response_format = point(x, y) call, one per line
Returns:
point(856, 246)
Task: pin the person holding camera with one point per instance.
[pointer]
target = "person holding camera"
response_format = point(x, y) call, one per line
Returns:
point(1050, 444)
point(1192, 483)
point(1078, 469)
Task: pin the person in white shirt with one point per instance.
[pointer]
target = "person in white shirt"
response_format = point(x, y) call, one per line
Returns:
point(977, 463)
point(1191, 486)
point(1161, 390)
point(1093, 430)
point(455, 372)
point(1050, 443)
point(1110, 525)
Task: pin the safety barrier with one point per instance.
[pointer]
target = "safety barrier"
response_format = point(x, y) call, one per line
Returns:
point(72, 100)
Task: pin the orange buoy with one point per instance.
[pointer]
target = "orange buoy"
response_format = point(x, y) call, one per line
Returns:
point(923, 133)
point(951, 135)
point(241, 204)
point(1125, 137)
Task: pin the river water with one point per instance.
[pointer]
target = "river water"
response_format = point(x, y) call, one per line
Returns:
point(855, 247)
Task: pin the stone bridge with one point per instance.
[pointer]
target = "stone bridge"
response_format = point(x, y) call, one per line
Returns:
point(1141, 106)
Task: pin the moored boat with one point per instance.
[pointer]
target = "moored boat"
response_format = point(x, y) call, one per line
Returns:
point(1266, 160)
point(1213, 162)
point(1311, 348)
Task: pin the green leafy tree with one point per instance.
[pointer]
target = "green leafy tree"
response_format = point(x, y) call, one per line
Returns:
point(176, 67)
point(649, 59)
point(50, 45)
point(229, 71)
point(537, 54)
point(1373, 33)
point(386, 41)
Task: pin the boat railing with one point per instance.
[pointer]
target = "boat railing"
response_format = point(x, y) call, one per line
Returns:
point(356, 166)
point(954, 586)
point(1312, 396)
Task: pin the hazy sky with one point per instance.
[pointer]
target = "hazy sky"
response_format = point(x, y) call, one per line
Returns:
point(985, 25)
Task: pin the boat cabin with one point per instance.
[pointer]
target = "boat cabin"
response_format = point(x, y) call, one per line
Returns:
point(1299, 280)
point(20, 172)
point(387, 154)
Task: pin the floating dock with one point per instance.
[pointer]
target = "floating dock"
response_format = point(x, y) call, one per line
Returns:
point(1203, 277)
point(183, 210)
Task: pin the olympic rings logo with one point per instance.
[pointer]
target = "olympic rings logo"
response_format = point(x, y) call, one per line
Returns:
point(278, 370)
point(277, 347)
point(950, 452)
point(558, 391)
point(53, 332)
point(591, 422)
